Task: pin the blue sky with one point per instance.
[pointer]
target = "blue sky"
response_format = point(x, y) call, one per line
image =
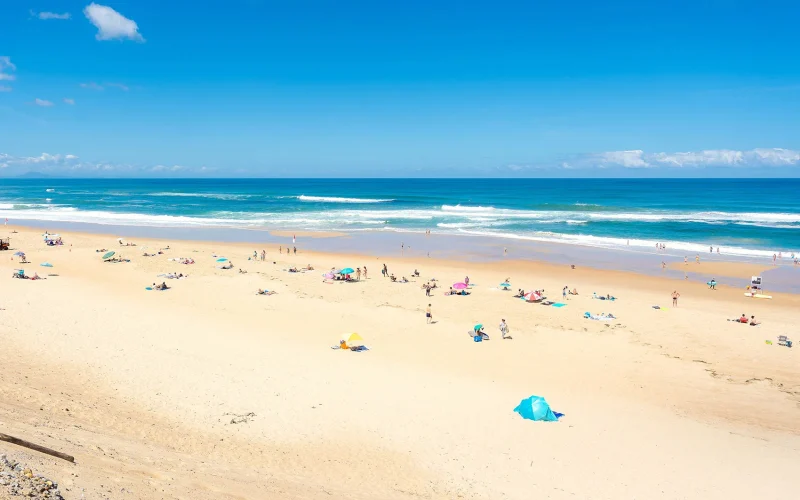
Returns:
point(268, 88)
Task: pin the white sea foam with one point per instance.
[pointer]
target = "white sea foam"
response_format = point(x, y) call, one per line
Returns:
point(334, 199)
point(616, 243)
point(50, 190)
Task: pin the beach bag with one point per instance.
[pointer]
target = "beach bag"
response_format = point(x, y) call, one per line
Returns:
point(477, 338)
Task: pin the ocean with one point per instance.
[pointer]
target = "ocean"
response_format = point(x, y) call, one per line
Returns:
point(745, 218)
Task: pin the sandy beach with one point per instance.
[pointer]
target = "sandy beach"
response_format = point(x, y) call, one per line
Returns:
point(208, 390)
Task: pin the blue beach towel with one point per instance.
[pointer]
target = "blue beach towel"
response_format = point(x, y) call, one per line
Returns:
point(559, 304)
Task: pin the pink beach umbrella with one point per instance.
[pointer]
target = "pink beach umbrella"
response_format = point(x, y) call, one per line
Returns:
point(532, 297)
point(460, 286)
point(328, 276)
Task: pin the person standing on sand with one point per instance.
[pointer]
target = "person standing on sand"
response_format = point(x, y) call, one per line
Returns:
point(365, 272)
point(675, 296)
point(280, 250)
point(428, 315)
point(697, 258)
point(428, 290)
point(663, 265)
point(385, 271)
point(685, 261)
point(504, 329)
point(564, 292)
point(255, 254)
point(295, 250)
point(358, 274)
point(263, 255)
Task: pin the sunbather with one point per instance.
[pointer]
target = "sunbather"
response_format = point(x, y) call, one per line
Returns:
point(754, 321)
point(574, 291)
point(265, 292)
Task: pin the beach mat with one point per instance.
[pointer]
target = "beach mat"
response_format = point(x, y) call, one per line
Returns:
point(559, 304)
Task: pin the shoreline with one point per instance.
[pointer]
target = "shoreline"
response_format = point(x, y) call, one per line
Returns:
point(730, 271)
point(409, 418)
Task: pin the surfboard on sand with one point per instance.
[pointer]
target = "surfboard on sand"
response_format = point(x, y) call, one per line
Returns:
point(757, 295)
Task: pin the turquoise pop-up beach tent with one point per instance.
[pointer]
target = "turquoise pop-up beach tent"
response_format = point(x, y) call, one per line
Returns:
point(535, 408)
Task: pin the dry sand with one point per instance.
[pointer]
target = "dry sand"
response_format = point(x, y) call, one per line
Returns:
point(142, 386)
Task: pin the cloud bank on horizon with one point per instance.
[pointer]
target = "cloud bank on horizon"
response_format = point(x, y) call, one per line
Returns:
point(778, 161)
point(638, 159)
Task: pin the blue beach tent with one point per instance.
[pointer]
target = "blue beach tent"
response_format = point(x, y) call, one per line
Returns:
point(535, 408)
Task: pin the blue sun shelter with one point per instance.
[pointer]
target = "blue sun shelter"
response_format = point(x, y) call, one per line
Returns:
point(536, 408)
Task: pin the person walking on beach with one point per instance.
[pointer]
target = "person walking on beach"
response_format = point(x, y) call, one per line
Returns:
point(263, 255)
point(774, 256)
point(428, 315)
point(428, 290)
point(255, 254)
point(685, 261)
point(675, 296)
point(385, 271)
point(504, 329)
point(365, 272)
point(280, 250)
point(564, 292)
point(697, 258)
point(295, 250)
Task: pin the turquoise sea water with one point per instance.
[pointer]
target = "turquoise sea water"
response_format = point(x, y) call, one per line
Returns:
point(755, 217)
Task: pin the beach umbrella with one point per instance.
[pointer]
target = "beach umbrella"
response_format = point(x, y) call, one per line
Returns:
point(222, 259)
point(478, 327)
point(328, 276)
point(346, 270)
point(535, 408)
point(459, 286)
point(505, 285)
point(533, 296)
point(19, 254)
point(46, 264)
point(108, 255)
point(352, 338)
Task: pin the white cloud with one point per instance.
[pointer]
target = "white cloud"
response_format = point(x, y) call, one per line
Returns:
point(5, 66)
point(71, 165)
point(119, 86)
point(69, 101)
point(628, 159)
point(42, 102)
point(3, 88)
point(760, 157)
point(110, 24)
point(91, 86)
point(51, 15)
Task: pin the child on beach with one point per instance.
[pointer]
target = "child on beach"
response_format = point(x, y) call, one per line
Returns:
point(504, 329)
